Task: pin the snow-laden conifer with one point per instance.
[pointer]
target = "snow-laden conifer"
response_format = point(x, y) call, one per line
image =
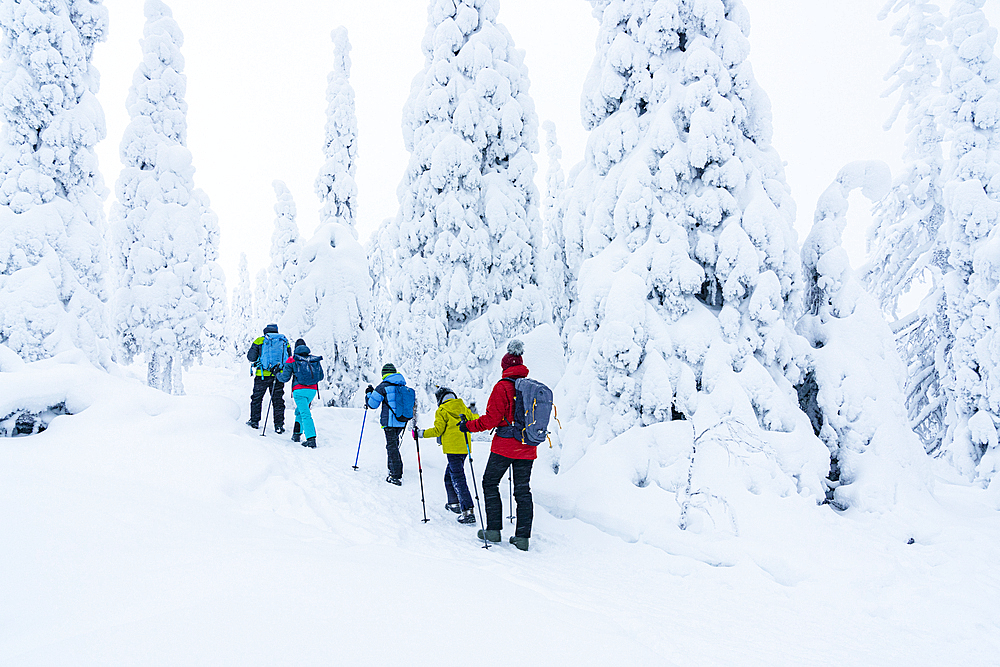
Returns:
point(691, 282)
point(463, 280)
point(159, 219)
point(331, 305)
point(240, 329)
point(286, 246)
point(335, 184)
point(213, 335)
point(557, 279)
point(853, 392)
point(53, 267)
point(971, 237)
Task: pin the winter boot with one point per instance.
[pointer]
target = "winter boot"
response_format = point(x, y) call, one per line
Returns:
point(279, 429)
point(310, 442)
point(467, 517)
point(296, 432)
point(489, 535)
point(519, 542)
point(453, 507)
point(394, 480)
point(252, 424)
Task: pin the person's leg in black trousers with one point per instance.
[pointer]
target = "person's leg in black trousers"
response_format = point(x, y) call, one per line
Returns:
point(522, 496)
point(496, 466)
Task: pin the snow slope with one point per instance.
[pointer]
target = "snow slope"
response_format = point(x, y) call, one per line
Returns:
point(147, 529)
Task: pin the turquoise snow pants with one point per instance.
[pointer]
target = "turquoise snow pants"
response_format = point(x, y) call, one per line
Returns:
point(302, 398)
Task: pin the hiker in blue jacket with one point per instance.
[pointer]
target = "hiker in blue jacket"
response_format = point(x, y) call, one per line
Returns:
point(388, 395)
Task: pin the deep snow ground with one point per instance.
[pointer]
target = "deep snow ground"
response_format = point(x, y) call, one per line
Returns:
point(150, 530)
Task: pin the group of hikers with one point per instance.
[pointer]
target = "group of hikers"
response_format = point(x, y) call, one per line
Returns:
point(514, 444)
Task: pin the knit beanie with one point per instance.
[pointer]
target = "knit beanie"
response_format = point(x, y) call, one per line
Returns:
point(388, 369)
point(299, 341)
point(513, 357)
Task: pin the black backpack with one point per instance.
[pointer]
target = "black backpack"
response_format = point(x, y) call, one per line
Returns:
point(307, 370)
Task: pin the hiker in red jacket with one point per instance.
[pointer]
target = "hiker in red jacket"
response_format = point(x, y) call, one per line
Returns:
point(507, 451)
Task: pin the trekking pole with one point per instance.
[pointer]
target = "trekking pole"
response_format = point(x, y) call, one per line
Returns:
point(468, 447)
point(355, 466)
point(270, 399)
point(420, 469)
point(510, 481)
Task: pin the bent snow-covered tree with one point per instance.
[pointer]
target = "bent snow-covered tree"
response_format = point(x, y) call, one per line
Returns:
point(556, 277)
point(462, 280)
point(853, 393)
point(53, 288)
point(331, 305)
point(159, 219)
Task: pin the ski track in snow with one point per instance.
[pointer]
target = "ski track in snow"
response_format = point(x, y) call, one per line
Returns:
point(273, 554)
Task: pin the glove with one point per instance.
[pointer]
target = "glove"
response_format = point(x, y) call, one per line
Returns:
point(461, 425)
point(369, 389)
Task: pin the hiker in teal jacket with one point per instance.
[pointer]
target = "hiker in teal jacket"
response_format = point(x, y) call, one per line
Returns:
point(388, 397)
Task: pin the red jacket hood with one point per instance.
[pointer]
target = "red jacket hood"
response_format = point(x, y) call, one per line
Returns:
point(519, 371)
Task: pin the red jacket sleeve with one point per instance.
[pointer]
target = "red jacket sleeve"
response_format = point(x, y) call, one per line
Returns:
point(498, 409)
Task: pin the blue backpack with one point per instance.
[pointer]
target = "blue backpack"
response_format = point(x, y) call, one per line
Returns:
point(532, 409)
point(404, 399)
point(307, 370)
point(273, 352)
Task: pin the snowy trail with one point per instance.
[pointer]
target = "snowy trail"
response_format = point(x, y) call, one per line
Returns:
point(181, 537)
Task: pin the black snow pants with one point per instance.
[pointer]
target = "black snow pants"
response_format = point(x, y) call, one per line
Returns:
point(495, 469)
point(261, 385)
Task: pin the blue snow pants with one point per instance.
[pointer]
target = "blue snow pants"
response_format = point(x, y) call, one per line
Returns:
point(302, 398)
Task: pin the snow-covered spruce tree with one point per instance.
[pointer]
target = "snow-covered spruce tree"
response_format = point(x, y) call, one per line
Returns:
point(971, 237)
point(240, 330)
point(331, 305)
point(213, 335)
point(856, 376)
point(691, 283)
point(53, 267)
point(261, 310)
point(286, 246)
point(558, 281)
point(904, 243)
point(335, 184)
point(463, 277)
point(688, 220)
point(159, 219)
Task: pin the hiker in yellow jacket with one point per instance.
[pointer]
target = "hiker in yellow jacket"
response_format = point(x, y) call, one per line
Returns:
point(456, 446)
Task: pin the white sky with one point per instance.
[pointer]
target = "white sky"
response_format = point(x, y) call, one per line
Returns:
point(257, 86)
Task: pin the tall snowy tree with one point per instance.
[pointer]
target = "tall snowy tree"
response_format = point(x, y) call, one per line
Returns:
point(971, 235)
point(213, 336)
point(240, 329)
point(53, 267)
point(692, 278)
point(331, 306)
point(335, 184)
point(557, 279)
point(159, 218)
point(462, 279)
point(286, 246)
point(905, 244)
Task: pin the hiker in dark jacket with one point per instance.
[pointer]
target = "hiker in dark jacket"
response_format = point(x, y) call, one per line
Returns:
point(264, 381)
point(387, 395)
point(302, 394)
point(506, 451)
point(451, 410)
